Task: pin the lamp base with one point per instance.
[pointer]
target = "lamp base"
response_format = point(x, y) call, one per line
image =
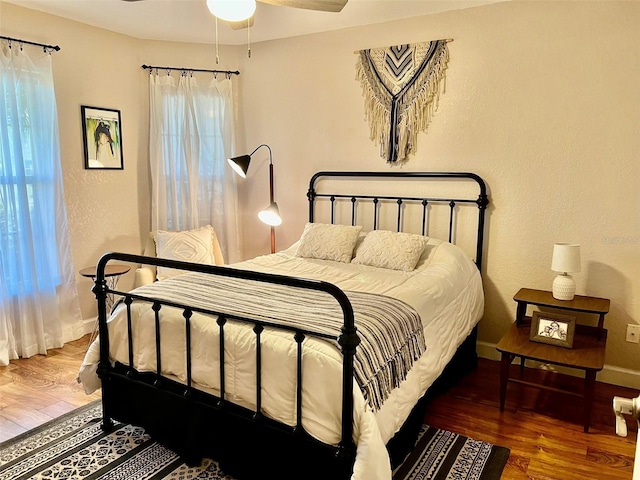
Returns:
point(564, 287)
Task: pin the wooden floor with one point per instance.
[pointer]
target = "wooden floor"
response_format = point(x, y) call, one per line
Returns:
point(542, 429)
point(38, 389)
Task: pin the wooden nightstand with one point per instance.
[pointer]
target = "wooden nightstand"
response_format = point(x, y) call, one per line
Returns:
point(588, 344)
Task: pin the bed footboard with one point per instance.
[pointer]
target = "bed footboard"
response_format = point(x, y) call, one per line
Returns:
point(196, 424)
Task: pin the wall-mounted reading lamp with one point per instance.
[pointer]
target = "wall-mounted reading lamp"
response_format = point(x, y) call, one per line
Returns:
point(271, 214)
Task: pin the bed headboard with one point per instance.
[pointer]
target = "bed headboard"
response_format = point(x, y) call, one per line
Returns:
point(410, 202)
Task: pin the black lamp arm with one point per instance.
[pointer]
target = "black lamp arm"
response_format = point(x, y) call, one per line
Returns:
point(260, 146)
point(271, 200)
point(270, 169)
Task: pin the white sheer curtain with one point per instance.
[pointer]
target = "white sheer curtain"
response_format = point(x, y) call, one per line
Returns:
point(191, 136)
point(39, 306)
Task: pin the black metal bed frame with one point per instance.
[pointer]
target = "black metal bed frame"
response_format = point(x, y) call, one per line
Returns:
point(481, 201)
point(247, 443)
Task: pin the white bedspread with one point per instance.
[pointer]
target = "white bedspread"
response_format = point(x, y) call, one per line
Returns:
point(445, 289)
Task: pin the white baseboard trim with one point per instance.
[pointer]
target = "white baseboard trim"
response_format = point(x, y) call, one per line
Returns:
point(89, 324)
point(609, 374)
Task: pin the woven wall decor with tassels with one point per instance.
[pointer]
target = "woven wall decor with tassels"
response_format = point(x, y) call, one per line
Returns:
point(401, 86)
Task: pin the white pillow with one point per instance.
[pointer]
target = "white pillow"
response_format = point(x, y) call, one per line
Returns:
point(194, 246)
point(393, 250)
point(328, 242)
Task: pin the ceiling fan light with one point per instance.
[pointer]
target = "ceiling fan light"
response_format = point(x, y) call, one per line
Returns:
point(232, 10)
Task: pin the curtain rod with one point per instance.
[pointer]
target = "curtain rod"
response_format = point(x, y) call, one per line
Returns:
point(50, 47)
point(184, 69)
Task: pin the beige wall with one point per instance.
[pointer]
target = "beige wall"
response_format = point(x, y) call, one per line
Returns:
point(541, 100)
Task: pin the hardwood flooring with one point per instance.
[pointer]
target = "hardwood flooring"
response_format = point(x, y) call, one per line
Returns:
point(38, 389)
point(542, 429)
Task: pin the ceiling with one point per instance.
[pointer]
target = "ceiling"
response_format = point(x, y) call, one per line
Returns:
point(190, 20)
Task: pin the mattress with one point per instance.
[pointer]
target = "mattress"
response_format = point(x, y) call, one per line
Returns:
point(445, 289)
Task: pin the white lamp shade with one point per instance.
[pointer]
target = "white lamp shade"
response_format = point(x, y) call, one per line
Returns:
point(271, 215)
point(232, 10)
point(566, 258)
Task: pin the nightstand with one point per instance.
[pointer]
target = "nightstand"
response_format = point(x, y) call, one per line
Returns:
point(112, 274)
point(587, 354)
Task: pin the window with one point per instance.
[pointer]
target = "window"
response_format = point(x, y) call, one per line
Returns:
point(27, 186)
point(38, 299)
point(191, 136)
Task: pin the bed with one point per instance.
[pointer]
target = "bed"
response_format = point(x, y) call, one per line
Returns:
point(275, 366)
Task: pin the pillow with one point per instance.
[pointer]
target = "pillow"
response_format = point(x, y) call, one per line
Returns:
point(393, 250)
point(194, 246)
point(328, 242)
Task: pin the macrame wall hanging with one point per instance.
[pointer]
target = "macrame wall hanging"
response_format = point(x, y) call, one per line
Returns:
point(401, 86)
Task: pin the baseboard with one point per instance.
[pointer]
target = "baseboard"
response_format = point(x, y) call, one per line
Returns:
point(609, 374)
point(89, 324)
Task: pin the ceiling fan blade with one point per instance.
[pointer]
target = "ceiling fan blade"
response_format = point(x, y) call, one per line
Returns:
point(322, 5)
point(242, 24)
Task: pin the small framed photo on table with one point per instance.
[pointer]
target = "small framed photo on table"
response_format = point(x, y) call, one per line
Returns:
point(102, 138)
point(553, 329)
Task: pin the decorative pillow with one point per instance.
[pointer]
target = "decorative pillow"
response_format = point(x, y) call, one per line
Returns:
point(393, 250)
point(328, 242)
point(194, 246)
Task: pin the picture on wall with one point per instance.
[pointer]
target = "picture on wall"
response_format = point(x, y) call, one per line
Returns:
point(102, 137)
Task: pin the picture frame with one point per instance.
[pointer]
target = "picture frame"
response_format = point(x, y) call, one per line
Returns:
point(553, 329)
point(102, 138)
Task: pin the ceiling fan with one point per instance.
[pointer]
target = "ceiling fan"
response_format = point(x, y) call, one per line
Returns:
point(239, 13)
point(321, 5)
point(246, 19)
point(242, 5)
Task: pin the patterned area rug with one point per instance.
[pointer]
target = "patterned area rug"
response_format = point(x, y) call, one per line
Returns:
point(440, 455)
point(75, 447)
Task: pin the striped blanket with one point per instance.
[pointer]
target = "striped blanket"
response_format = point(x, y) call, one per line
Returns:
point(390, 331)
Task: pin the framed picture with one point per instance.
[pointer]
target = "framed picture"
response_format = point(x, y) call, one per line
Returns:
point(553, 329)
point(102, 137)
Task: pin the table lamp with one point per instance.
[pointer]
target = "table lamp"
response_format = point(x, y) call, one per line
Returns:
point(566, 260)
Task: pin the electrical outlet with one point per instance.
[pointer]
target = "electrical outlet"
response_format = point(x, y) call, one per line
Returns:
point(633, 333)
